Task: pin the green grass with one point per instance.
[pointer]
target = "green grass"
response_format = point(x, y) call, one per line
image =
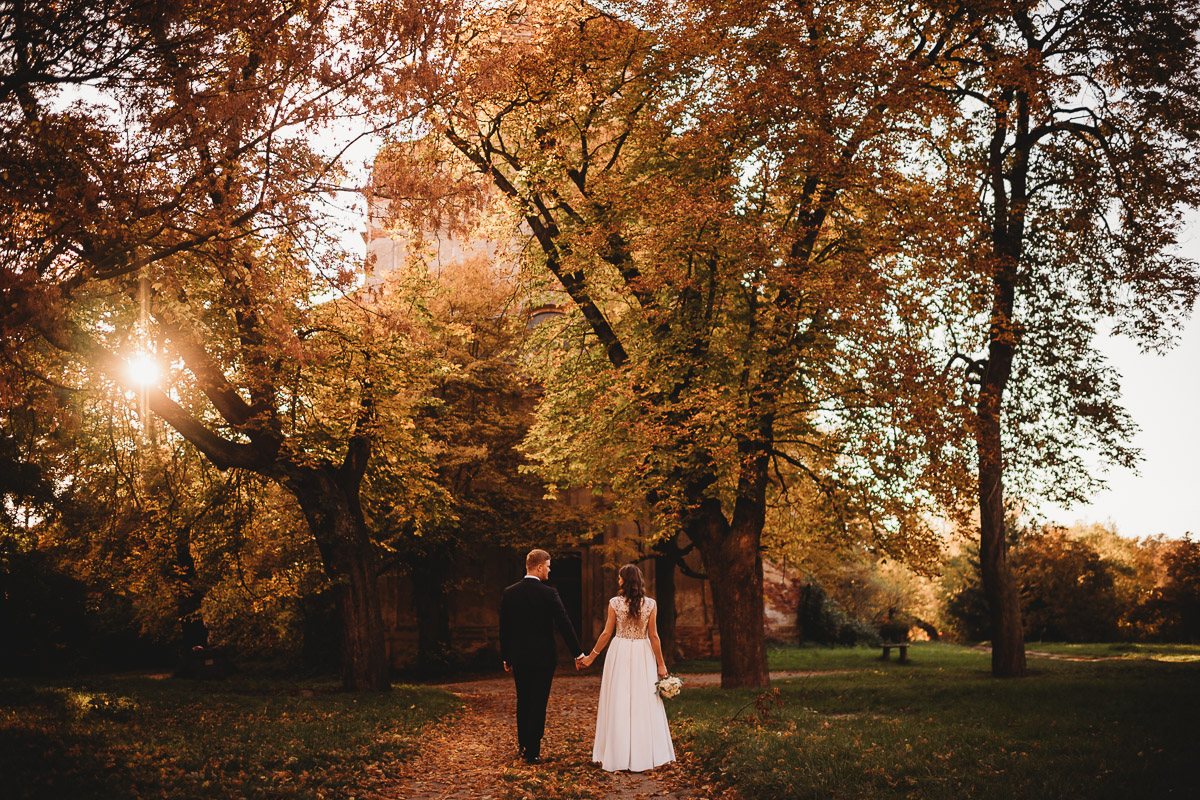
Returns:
point(814, 658)
point(1157, 652)
point(942, 727)
point(133, 737)
point(939, 727)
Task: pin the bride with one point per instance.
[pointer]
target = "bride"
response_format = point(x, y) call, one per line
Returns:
point(631, 723)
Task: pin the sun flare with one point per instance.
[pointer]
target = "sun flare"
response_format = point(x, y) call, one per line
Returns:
point(143, 370)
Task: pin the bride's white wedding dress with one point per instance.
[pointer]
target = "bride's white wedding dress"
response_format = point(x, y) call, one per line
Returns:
point(631, 723)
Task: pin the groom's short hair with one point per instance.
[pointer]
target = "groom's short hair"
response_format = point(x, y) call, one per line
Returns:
point(535, 559)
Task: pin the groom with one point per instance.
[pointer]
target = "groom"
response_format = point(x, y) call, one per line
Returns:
point(529, 611)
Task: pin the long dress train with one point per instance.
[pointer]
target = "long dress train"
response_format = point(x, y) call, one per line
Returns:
point(631, 722)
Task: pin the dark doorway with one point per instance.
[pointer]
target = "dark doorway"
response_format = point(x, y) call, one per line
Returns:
point(566, 575)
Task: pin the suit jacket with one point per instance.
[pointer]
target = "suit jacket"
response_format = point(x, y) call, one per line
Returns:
point(529, 612)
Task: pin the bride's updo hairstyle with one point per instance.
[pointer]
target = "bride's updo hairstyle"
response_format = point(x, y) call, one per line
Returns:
point(633, 588)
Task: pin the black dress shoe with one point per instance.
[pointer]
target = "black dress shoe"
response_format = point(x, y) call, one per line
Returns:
point(533, 759)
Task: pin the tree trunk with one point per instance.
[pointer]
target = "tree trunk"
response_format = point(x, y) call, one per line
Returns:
point(664, 591)
point(803, 612)
point(433, 614)
point(364, 647)
point(335, 518)
point(1007, 176)
point(999, 585)
point(735, 572)
point(193, 630)
point(189, 596)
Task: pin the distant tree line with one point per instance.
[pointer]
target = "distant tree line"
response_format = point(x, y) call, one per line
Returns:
point(1085, 585)
point(1079, 584)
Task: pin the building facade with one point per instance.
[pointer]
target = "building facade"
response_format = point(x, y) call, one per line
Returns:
point(584, 572)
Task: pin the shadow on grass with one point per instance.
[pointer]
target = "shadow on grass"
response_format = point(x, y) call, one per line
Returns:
point(44, 765)
point(942, 727)
point(45, 754)
point(120, 737)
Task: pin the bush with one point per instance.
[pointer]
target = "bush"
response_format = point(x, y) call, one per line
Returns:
point(822, 620)
point(1170, 611)
point(1068, 591)
point(964, 608)
point(1084, 585)
point(43, 614)
point(52, 623)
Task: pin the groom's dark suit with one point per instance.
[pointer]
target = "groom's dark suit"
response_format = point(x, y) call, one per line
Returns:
point(529, 612)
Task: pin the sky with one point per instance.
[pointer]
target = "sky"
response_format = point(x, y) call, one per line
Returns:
point(1162, 394)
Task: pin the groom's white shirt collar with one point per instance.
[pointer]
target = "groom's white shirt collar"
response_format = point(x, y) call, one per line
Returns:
point(535, 577)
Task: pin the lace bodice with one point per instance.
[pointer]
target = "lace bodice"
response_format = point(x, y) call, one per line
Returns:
point(629, 627)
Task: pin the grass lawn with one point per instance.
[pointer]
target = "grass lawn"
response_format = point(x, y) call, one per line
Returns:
point(1156, 652)
point(942, 727)
point(119, 737)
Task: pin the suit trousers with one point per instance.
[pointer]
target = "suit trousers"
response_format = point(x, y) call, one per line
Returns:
point(533, 694)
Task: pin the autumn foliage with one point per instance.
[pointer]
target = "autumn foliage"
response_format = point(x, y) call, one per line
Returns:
point(828, 270)
point(1084, 584)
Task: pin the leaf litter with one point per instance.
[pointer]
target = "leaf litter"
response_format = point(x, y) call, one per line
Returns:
point(472, 755)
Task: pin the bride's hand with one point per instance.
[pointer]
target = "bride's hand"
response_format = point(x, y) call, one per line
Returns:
point(662, 670)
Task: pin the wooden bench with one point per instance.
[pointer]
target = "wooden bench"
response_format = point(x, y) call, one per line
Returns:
point(887, 651)
point(206, 663)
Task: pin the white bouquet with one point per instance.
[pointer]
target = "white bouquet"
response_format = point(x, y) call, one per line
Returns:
point(668, 687)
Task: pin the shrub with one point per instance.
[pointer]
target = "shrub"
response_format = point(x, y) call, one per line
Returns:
point(964, 608)
point(1068, 591)
point(42, 613)
point(1170, 611)
point(822, 620)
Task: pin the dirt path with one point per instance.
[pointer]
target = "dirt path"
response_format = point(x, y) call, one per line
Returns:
point(473, 756)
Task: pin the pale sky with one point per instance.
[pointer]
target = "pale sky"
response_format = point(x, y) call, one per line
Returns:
point(1162, 394)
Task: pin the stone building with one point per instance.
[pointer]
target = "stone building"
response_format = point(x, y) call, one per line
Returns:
point(583, 572)
point(586, 582)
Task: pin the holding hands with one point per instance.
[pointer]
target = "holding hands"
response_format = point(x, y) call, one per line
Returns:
point(583, 662)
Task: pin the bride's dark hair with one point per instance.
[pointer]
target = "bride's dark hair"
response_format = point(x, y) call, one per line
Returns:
point(633, 588)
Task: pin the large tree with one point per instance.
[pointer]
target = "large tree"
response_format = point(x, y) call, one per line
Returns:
point(164, 193)
point(1086, 144)
point(731, 200)
point(477, 410)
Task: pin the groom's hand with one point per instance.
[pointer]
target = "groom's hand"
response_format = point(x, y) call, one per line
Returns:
point(507, 668)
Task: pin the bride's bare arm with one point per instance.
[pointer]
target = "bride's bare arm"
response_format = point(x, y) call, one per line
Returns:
point(655, 643)
point(610, 625)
